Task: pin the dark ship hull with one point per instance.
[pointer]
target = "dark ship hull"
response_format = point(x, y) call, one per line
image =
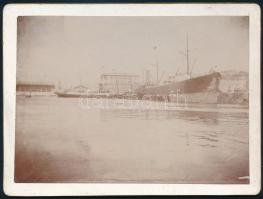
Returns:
point(202, 89)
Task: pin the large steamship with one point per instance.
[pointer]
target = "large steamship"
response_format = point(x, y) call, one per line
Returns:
point(201, 89)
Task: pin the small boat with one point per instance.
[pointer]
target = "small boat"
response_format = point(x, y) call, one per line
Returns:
point(28, 95)
point(70, 94)
point(81, 91)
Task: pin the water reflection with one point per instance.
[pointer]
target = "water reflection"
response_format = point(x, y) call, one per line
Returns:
point(129, 145)
point(206, 117)
point(208, 128)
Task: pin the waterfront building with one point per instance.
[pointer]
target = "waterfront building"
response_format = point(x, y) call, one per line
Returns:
point(118, 83)
point(34, 88)
point(233, 82)
point(234, 87)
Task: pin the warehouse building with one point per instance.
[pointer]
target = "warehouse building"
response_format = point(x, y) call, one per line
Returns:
point(34, 88)
point(118, 83)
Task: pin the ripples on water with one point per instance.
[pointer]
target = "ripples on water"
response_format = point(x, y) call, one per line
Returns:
point(118, 145)
point(219, 126)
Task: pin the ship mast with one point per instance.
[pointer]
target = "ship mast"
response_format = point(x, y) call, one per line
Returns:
point(117, 85)
point(187, 55)
point(157, 64)
point(157, 71)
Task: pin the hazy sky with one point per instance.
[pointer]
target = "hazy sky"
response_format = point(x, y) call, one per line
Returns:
point(77, 50)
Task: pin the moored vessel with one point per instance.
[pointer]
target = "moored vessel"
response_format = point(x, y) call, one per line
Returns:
point(201, 89)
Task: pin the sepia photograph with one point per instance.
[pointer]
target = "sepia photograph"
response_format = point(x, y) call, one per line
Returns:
point(146, 99)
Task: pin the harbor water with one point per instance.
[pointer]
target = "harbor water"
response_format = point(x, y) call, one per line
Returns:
point(63, 140)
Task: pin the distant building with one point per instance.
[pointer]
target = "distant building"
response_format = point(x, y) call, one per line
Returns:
point(118, 83)
point(234, 87)
point(34, 88)
point(232, 81)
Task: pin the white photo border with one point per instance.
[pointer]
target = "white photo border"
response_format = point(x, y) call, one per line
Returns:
point(10, 14)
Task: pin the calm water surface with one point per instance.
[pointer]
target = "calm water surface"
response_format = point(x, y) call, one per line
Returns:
point(57, 140)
